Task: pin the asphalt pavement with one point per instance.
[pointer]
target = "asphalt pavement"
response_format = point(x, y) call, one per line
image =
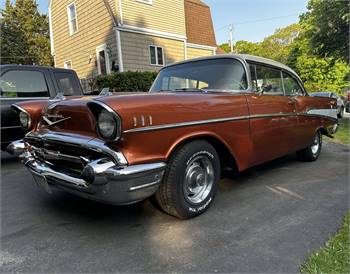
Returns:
point(267, 219)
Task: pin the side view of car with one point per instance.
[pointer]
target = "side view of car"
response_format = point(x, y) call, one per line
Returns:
point(26, 83)
point(200, 116)
point(340, 102)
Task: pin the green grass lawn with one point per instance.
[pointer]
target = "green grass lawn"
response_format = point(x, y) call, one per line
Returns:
point(334, 257)
point(343, 133)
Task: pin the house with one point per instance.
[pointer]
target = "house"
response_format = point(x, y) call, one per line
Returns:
point(100, 36)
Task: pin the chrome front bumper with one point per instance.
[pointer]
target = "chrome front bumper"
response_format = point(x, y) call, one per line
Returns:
point(101, 180)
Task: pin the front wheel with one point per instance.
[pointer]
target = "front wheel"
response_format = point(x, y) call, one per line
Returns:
point(312, 152)
point(190, 181)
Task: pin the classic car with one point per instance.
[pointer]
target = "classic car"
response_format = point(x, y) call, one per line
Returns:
point(329, 94)
point(200, 117)
point(26, 83)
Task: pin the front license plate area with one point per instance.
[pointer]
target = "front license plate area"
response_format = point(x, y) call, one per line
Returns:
point(41, 182)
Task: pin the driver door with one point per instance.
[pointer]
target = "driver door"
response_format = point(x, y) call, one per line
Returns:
point(272, 115)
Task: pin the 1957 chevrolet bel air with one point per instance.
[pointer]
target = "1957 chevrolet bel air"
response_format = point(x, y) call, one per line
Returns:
point(200, 116)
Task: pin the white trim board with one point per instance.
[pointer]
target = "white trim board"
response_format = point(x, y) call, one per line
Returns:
point(100, 48)
point(197, 46)
point(51, 30)
point(173, 36)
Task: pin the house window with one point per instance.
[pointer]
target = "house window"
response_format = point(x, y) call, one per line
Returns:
point(72, 18)
point(68, 64)
point(149, 2)
point(102, 57)
point(156, 55)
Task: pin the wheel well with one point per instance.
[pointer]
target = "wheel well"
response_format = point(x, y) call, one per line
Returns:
point(227, 160)
point(325, 132)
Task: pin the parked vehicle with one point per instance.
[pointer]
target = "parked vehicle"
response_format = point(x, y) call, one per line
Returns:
point(24, 83)
point(201, 116)
point(340, 102)
point(347, 102)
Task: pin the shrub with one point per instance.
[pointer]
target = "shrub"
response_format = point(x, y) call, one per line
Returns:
point(127, 81)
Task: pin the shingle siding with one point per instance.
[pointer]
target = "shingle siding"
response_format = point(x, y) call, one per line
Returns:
point(162, 15)
point(94, 28)
point(135, 48)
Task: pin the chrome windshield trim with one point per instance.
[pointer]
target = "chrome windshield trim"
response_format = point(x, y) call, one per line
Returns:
point(82, 141)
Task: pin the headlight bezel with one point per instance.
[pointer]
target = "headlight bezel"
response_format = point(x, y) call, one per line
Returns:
point(20, 112)
point(97, 108)
point(108, 118)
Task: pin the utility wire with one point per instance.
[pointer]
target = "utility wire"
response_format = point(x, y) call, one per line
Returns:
point(254, 21)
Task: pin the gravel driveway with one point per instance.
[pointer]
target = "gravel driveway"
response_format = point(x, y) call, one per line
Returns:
point(267, 219)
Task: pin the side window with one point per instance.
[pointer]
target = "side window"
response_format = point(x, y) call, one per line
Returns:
point(269, 80)
point(291, 86)
point(67, 83)
point(23, 83)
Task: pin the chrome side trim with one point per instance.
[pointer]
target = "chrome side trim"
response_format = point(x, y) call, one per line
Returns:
point(24, 98)
point(10, 127)
point(84, 142)
point(185, 124)
point(221, 120)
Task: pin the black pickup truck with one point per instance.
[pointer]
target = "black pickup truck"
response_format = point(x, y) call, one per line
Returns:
point(26, 83)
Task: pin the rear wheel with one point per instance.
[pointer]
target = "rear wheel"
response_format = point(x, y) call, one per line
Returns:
point(190, 181)
point(312, 152)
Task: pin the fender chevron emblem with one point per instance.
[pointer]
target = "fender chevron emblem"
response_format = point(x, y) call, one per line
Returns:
point(52, 123)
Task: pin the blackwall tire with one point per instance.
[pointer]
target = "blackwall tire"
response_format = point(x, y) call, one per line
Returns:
point(190, 180)
point(312, 152)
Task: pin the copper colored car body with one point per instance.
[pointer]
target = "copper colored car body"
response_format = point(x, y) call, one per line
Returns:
point(173, 142)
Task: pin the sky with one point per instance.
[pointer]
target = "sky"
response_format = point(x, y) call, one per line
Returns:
point(253, 20)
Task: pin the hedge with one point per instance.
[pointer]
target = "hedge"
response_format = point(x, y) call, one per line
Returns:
point(127, 81)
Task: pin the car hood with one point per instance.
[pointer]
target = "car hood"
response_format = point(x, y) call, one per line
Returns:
point(147, 109)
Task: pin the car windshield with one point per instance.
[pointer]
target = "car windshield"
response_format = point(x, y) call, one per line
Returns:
point(224, 74)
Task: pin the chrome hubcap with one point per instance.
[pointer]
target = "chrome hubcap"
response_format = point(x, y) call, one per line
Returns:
point(316, 144)
point(199, 179)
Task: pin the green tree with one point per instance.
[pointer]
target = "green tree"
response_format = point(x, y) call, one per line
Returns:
point(276, 46)
point(24, 34)
point(327, 28)
point(323, 74)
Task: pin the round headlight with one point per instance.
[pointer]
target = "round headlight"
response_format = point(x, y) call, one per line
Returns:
point(107, 125)
point(24, 120)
